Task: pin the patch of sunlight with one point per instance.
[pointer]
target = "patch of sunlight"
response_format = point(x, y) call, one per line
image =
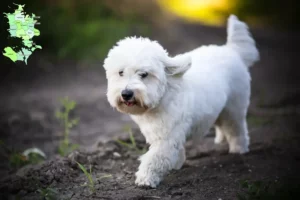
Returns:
point(209, 12)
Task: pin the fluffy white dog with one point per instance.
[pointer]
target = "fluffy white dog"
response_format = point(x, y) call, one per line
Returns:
point(172, 97)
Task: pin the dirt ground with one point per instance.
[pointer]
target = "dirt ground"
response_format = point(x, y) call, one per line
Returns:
point(29, 98)
point(209, 172)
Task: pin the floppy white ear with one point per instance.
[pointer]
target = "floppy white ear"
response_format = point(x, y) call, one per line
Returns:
point(177, 65)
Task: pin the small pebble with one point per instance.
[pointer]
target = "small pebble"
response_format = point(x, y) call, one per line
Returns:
point(117, 155)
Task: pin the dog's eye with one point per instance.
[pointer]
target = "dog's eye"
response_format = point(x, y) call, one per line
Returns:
point(144, 75)
point(121, 73)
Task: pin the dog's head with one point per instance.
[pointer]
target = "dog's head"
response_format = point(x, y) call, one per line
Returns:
point(138, 70)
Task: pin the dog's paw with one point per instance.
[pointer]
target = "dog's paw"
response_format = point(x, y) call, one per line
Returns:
point(238, 145)
point(219, 140)
point(238, 149)
point(149, 180)
point(220, 137)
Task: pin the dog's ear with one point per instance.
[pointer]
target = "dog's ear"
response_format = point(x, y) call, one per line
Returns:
point(177, 65)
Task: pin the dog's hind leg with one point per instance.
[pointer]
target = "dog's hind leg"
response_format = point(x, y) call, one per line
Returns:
point(220, 137)
point(181, 159)
point(232, 124)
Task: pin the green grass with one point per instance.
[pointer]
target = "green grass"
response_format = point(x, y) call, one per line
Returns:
point(48, 193)
point(91, 183)
point(65, 146)
point(260, 190)
point(90, 180)
point(253, 190)
point(17, 159)
point(132, 144)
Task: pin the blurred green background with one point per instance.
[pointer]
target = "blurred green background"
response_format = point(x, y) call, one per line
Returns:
point(77, 29)
point(86, 29)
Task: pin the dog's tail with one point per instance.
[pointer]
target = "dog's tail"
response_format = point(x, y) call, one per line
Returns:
point(239, 39)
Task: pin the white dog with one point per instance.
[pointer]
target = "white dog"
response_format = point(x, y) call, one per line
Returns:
point(172, 97)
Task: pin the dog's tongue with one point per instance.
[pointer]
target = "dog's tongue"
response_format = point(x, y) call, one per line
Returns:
point(129, 103)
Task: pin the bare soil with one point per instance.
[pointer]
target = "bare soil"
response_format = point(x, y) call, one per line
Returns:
point(209, 172)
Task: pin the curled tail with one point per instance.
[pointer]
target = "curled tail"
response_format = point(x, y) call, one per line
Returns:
point(239, 39)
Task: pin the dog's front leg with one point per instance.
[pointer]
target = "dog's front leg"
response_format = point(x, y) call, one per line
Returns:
point(163, 156)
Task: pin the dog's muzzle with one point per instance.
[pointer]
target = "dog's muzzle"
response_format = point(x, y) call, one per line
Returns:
point(128, 97)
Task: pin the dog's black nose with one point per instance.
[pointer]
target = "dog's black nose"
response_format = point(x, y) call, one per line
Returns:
point(127, 94)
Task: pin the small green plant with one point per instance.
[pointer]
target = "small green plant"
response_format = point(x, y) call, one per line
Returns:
point(88, 174)
point(65, 146)
point(253, 190)
point(48, 193)
point(91, 183)
point(17, 159)
point(132, 145)
point(34, 155)
point(267, 190)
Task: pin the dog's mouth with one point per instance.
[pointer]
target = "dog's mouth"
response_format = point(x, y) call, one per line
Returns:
point(133, 106)
point(130, 103)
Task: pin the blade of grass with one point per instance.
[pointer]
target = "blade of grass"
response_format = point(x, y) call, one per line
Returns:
point(87, 174)
point(132, 138)
point(105, 176)
point(124, 143)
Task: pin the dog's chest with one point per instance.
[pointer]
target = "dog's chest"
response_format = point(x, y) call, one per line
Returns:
point(153, 127)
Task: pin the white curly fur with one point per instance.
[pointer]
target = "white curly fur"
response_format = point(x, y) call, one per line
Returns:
point(182, 95)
